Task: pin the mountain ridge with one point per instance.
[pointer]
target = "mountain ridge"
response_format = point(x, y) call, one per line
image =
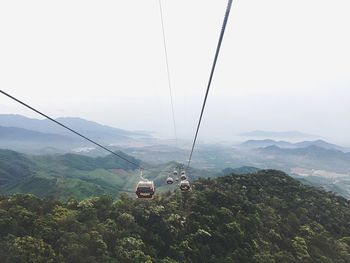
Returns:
point(251, 144)
point(36, 136)
point(277, 134)
point(88, 128)
point(21, 134)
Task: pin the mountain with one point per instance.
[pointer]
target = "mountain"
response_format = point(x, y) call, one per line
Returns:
point(71, 175)
point(31, 141)
point(314, 165)
point(90, 129)
point(322, 144)
point(23, 135)
point(279, 134)
point(251, 144)
point(63, 176)
point(261, 217)
point(14, 165)
point(338, 184)
point(240, 170)
point(308, 157)
point(329, 169)
point(332, 166)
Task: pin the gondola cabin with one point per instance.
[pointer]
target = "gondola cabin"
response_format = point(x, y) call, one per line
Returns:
point(183, 176)
point(169, 180)
point(185, 186)
point(145, 189)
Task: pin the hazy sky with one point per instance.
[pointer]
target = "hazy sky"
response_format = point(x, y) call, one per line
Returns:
point(284, 65)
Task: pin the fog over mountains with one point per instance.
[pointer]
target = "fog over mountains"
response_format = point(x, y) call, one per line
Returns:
point(313, 161)
point(278, 134)
point(251, 144)
point(89, 128)
point(34, 135)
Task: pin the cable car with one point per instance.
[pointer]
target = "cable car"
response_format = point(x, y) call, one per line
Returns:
point(145, 189)
point(185, 186)
point(169, 180)
point(183, 176)
point(175, 173)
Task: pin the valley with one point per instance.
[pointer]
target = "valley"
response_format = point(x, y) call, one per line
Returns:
point(48, 149)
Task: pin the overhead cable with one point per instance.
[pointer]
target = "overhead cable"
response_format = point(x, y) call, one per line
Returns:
point(227, 14)
point(168, 70)
point(71, 130)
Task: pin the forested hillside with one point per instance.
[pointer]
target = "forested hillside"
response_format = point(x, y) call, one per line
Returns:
point(64, 176)
point(262, 217)
point(72, 175)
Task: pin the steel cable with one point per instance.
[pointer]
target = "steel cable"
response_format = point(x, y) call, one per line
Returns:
point(168, 70)
point(71, 130)
point(227, 14)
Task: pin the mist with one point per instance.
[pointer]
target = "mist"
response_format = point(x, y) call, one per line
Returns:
point(284, 65)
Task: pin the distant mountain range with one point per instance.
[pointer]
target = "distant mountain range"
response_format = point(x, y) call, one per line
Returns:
point(88, 128)
point(316, 161)
point(311, 157)
point(251, 144)
point(21, 135)
point(37, 136)
point(278, 134)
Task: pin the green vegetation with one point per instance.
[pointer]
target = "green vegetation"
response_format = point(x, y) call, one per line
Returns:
point(64, 176)
point(13, 164)
point(262, 217)
point(72, 175)
point(240, 170)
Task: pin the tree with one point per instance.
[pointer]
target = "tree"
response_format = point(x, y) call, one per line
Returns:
point(29, 249)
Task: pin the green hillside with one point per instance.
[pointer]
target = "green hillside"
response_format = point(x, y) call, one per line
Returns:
point(240, 170)
point(72, 175)
point(255, 218)
point(64, 176)
point(14, 165)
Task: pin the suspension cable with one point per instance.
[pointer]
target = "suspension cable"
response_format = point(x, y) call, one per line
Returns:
point(71, 130)
point(228, 9)
point(168, 70)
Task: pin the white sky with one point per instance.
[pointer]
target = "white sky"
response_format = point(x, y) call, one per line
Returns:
point(284, 65)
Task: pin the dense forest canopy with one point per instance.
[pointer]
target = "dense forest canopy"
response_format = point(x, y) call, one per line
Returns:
point(261, 217)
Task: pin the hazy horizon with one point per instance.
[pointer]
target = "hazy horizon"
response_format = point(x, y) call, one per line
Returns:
point(284, 65)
